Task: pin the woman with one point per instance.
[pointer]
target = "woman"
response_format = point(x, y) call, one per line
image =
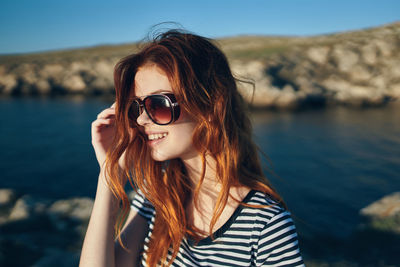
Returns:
point(179, 133)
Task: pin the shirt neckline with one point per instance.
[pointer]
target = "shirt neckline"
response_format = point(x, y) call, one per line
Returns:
point(219, 232)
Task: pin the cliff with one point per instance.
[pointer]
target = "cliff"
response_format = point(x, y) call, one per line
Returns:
point(357, 68)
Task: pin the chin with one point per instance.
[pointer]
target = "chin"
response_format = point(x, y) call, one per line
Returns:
point(157, 156)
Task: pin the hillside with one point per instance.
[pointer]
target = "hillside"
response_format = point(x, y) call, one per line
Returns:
point(357, 68)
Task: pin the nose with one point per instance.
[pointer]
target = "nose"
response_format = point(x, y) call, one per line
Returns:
point(143, 118)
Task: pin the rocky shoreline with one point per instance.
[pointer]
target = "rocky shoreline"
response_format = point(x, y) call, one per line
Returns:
point(360, 68)
point(46, 232)
point(50, 233)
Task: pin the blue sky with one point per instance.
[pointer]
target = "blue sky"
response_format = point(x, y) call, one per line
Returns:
point(40, 25)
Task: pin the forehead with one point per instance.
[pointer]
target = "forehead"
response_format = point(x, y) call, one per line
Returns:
point(150, 79)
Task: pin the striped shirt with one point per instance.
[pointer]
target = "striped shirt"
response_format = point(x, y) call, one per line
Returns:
point(262, 236)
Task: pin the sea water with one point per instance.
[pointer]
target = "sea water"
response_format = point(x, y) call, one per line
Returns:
point(327, 163)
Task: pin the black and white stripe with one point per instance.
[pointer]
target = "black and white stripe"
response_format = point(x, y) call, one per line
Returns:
point(262, 236)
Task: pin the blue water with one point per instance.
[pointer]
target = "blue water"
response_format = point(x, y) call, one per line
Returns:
point(329, 163)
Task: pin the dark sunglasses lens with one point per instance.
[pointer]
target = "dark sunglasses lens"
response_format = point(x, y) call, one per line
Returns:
point(134, 111)
point(159, 109)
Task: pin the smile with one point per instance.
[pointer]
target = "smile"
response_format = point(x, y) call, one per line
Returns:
point(156, 136)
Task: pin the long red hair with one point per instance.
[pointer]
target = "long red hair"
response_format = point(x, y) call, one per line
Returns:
point(206, 89)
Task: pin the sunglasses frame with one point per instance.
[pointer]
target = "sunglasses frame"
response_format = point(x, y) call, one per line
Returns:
point(174, 107)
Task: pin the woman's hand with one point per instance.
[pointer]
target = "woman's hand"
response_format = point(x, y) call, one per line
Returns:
point(103, 131)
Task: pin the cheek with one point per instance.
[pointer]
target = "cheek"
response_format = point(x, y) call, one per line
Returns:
point(182, 138)
point(183, 133)
point(184, 117)
point(184, 126)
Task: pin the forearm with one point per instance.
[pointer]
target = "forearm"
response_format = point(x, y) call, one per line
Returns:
point(98, 246)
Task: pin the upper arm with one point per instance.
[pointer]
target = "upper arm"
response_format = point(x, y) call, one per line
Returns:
point(133, 235)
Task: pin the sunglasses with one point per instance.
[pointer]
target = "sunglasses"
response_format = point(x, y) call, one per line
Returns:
point(162, 109)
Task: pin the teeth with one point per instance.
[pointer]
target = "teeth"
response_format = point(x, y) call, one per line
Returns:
point(157, 136)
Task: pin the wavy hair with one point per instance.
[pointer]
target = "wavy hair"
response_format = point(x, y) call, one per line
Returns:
point(206, 90)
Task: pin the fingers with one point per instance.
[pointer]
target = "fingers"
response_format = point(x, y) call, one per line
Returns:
point(101, 123)
point(105, 118)
point(108, 112)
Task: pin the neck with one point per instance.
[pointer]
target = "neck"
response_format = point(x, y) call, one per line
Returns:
point(201, 210)
point(194, 166)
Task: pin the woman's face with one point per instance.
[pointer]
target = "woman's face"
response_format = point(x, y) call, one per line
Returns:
point(165, 141)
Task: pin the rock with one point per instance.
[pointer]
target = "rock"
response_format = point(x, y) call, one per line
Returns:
point(318, 54)
point(22, 209)
point(344, 58)
point(43, 87)
point(102, 84)
point(384, 214)
point(52, 71)
point(288, 98)
point(27, 208)
point(7, 197)
point(369, 54)
point(387, 206)
point(261, 93)
point(104, 69)
point(74, 84)
point(360, 74)
point(77, 210)
point(393, 67)
point(395, 89)
point(385, 48)
point(8, 84)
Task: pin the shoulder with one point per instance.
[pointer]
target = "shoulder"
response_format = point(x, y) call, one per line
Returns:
point(273, 223)
point(264, 207)
point(277, 240)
